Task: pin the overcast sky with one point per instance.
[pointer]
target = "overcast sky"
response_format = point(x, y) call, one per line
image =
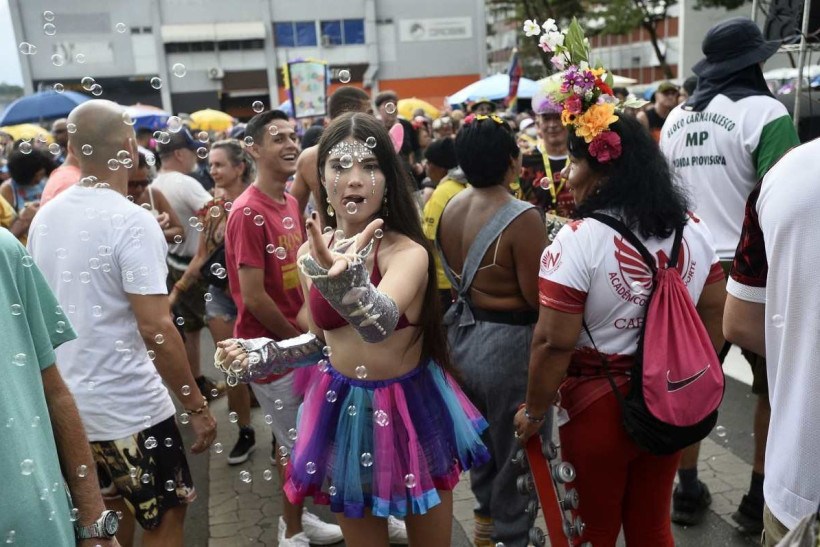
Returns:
point(10, 67)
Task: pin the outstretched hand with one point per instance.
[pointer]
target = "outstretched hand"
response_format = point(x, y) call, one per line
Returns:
point(337, 260)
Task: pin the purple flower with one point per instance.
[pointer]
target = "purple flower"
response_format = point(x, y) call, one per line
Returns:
point(571, 78)
point(585, 80)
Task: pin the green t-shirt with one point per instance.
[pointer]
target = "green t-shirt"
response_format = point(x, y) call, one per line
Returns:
point(34, 507)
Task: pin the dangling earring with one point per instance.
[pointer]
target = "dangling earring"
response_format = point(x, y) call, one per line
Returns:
point(330, 211)
point(384, 205)
point(373, 181)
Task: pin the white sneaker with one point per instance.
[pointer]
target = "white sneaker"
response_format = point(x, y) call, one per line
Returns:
point(318, 531)
point(397, 530)
point(298, 540)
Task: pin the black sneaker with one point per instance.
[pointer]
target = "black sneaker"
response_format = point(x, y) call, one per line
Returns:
point(688, 511)
point(245, 444)
point(210, 389)
point(749, 516)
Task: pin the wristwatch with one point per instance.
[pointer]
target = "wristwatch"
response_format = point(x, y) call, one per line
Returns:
point(104, 528)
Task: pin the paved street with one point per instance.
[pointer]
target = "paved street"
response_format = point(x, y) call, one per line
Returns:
point(231, 512)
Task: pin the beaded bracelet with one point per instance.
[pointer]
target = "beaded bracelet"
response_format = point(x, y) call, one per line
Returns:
point(201, 409)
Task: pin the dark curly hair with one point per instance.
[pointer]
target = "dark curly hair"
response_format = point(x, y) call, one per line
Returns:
point(484, 149)
point(639, 184)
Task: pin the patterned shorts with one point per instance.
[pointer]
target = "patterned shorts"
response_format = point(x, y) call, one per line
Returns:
point(148, 470)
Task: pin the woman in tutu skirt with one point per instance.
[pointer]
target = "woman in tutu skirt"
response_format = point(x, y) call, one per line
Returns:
point(384, 429)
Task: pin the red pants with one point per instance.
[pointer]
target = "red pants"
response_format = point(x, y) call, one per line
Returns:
point(618, 483)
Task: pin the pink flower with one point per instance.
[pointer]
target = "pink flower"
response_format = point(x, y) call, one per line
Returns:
point(606, 147)
point(558, 62)
point(574, 104)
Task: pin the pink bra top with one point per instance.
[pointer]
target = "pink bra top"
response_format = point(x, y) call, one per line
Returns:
point(326, 318)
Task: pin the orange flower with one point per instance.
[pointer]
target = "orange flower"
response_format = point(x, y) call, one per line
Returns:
point(595, 121)
point(597, 72)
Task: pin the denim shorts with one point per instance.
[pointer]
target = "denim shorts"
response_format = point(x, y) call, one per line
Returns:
point(220, 306)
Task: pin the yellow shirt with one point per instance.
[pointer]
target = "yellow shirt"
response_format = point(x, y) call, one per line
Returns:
point(7, 213)
point(444, 192)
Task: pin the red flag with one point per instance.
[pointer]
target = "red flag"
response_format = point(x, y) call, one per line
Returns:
point(515, 71)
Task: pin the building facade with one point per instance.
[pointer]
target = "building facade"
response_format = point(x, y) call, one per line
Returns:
point(226, 54)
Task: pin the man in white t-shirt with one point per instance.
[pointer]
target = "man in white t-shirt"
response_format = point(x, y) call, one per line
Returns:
point(772, 309)
point(721, 142)
point(104, 257)
point(187, 197)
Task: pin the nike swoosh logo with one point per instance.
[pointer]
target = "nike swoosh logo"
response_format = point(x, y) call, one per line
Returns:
point(680, 384)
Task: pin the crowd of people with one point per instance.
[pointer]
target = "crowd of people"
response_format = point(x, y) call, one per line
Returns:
point(386, 291)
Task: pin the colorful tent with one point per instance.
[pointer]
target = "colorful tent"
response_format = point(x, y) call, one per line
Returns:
point(406, 108)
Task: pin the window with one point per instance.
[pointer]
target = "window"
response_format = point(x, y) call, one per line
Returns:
point(331, 33)
point(353, 31)
point(295, 33)
point(344, 32)
point(305, 33)
point(283, 34)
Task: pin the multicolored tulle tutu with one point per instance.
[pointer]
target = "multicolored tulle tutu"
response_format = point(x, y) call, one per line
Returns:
point(386, 445)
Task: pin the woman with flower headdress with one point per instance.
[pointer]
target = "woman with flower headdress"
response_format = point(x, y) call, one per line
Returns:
point(384, 430)
point(593, 291)
point(489, 246)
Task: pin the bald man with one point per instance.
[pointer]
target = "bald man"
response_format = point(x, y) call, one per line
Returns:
point(104, 257)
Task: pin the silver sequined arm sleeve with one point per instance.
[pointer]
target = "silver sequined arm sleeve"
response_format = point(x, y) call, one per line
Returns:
point(371, 312)
point(266, 357)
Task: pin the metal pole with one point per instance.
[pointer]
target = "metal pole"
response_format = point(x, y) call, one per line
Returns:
point(801, 60)
point(754, 11)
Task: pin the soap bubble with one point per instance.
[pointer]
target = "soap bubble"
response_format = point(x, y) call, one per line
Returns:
point(278, 404)
point(159, 338)
point(87, 149)
point(156, 82)
point(25, 147)
point(248, 141)
point(270, 248)
point(344, 76)
point(96, 90)
point(27, 466)
point(326, 351)
point(330, 396)
point(202, 153)
point(370, 142)
point(378, 233)
point(233, 417)
point(259, 220)
point(150, 443)
point(410, 480)
point(346, 161)
point(281, 253)
point(57, 60)
point(58, 87)
point(267, 474)
point(331, 490)
point(288, 223)
point(27, 48)
point(390, 108)
point(380, 417)
point(186, 390)
point(361, 372)
point(174, 124)
point(292, 434)
point(170, 486)
point(120, 27)
point(87, 82)
point(49, 29)
point(19, 359)
point(720, 431)
point(352, 410)
point(258, 106)
point(218, 448)
point(168, 442)
point(310, 468)
point(366, 459)
point(778, 321)
point(351, 208)
point(82, 471)
point(48, 16)
point(179, 70)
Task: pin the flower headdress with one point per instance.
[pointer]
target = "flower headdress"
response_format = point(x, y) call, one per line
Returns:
point(583, 95)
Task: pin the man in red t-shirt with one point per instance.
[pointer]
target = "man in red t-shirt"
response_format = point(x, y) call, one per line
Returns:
point(263, 235)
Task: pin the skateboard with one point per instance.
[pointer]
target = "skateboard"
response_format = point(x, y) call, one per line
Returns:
point(549, 478)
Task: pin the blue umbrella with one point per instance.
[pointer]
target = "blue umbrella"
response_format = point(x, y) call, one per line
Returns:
point(148, 116)
point(494, 88)
point(45, 105)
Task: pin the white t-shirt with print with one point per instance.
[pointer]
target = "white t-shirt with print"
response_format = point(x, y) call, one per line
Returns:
point(775, 266)
point(186, 196)
point(591, 269)
point(720, 155)
point(94, 247)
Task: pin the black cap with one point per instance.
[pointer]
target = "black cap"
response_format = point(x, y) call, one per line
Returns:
point(442, 152)
point(731, 46)
point(180, 139)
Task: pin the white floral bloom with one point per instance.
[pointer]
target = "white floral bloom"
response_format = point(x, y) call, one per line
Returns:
point(583, 66)
point(531, 27)
point(556, 38)
point(544, 43)
point(549, 25)
point(604, 99)
point(558, 62)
